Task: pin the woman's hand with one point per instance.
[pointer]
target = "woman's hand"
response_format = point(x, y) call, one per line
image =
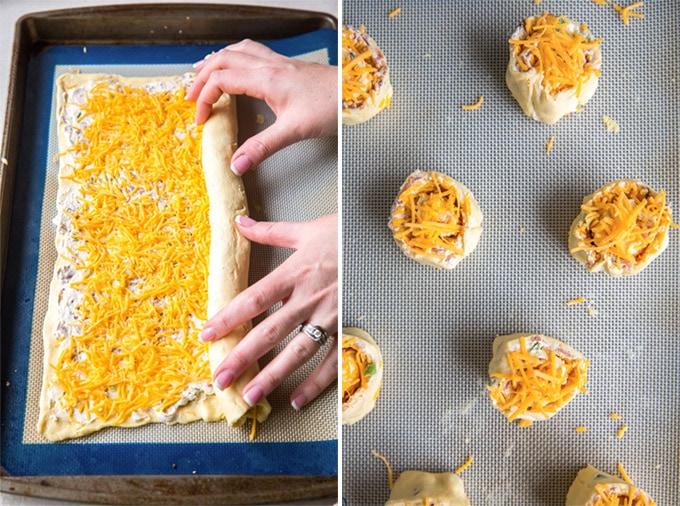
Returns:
point(304, 96)
point(307, 284)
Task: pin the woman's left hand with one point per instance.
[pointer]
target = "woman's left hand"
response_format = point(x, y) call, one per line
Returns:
point(307, 285)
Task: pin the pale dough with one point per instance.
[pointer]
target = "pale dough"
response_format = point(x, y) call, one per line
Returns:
point(363, 401)
point(420, 488)
point(583, 491)
point(535, 100)
point(228, 267)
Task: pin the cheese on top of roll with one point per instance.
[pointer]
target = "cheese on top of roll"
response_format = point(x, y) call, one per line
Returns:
point(361, 374)
point(554, 66)
point(593, 487)
point(366, 87)
point(534, 376)
point(622, 227)
point(435, 219)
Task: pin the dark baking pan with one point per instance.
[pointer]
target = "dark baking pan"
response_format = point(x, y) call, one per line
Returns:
point(104, 29)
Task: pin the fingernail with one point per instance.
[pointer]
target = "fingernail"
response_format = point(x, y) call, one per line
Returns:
point(253, 396)
point(298, 402)
point(241, 165)
point(224, 379)
point(198, 64)
point(245, 221)
point(207, 334)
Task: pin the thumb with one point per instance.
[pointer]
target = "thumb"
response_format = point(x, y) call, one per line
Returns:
point(281, 233)
point(260, 147)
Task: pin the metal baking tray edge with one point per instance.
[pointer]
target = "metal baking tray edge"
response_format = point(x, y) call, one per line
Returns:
point(135, 24)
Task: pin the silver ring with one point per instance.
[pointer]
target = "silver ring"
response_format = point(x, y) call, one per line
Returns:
point(315, 333)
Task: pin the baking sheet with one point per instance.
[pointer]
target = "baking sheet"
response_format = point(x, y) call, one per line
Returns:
point(296, 443)
point(435, 328)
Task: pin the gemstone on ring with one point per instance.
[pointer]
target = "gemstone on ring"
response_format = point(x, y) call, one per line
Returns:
point(315, 333)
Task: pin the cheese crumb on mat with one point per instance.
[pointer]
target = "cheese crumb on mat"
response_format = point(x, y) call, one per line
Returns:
point(474, 106)
point(621, 431)
point(615, 416)
point(549, 145)
point(395, 12)
point(610, 124)
point(581, 429)
point(579, 300)
point(466, 465)
point(624, 474)
point(387, 464)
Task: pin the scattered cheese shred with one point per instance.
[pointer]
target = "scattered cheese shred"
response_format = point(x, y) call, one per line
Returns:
point(474, 106)
point(600, 2)
point(387, 464)
point(525, 423)
point(622, 431)
point(579, 300)
point(624, 474)
point(561, 56)
point(610, 124)
point(549, 145)
point(394, 12)
point(581, 429)
point(615, 416)
point(539, 382)
point(626, 220)
point(466, 465)
point(626, 11)
point(252, 430)
point(141, 234)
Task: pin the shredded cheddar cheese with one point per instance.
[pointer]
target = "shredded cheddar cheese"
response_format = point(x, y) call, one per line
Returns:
point(387, 464)
point(626, 11)
point(252, 429)
point(581, 429)
point(624, 474)
point(615, 416)
point(558, 51)
point(626, 220)
point(610, 124)
point(141, 235)
point(620, 496)
point(549, 145)
point(394, 12)
point(430, 216)
point(363, 69)
point(539, 383)
point(579, 300)
point(355, 369)
point(621, 431)
point(466, 465)
point(474, 106)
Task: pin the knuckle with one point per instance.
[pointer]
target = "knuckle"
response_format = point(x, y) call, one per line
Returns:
point(269, 334)
point(240, 359)
point(261, 148)
point(272, 377)
point(300, 349)
point(256, 298)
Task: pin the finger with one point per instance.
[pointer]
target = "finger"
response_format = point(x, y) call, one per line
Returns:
point(323, 375)
point(284, 234)
point(261, 339)
point(250, 47)
point(211, 85)
point(261, 146)
point(296, 353)
point(249, 303)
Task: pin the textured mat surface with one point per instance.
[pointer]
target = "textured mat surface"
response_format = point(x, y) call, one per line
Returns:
point(435, 328)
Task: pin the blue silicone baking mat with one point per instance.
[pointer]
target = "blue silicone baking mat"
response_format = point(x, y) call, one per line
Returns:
point(295, 443)
point(435, 328)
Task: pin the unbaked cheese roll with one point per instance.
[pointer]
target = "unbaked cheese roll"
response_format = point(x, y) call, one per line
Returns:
point(596, 488)
point(622, 227)
point(362, 369)
point(435, 219)
point(366, 88)
point(420, 488)
point(554, 66)
point(534, 376)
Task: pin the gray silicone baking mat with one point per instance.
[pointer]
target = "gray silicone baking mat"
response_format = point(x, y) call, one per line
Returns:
point(435, 328)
